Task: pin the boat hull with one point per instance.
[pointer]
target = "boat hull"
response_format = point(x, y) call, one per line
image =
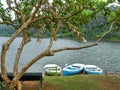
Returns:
point(53, 73)
point(73, 69)
point(92, 69)
point(52, 70)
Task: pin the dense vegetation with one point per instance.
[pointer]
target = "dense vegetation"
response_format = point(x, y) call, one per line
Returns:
point(92, 30)
point(95, 28)
point(6, 30)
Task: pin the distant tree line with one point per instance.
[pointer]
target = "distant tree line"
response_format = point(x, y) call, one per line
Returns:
point(96, 27)
point(6, 30)
point(92, 30)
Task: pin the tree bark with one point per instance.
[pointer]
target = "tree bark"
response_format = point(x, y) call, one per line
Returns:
point(12, 85)
point(16, 62)
point(15, 86)
point(19, 85)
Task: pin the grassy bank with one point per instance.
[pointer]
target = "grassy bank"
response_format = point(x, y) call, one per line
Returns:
point(82, 82)
point(76, 82)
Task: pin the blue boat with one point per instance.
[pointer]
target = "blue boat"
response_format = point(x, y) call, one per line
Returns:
point(92, 69)
point(73, 69)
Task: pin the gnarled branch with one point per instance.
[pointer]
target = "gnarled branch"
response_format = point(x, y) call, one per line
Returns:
point(9, 4)
point(73, 48)
point(110, 29)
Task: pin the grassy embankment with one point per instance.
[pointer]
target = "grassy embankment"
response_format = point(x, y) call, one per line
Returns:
point(76, 82)
point(82, 82)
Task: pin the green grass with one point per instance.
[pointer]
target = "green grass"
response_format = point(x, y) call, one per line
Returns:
point(82, 82)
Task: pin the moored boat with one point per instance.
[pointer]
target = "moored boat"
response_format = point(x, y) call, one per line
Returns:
point(92, 69)
point(52, 70)
point(73, 69)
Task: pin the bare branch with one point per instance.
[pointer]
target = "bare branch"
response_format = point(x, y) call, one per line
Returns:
point(9, 4)
point(71, 15)
point(20, 11)
point(20, 74)
point(73, 48)
point(50, 44)
point(16, 62)
point(77, 32)
point(58, 26)
point(7, 22)
point(36, 19)
point(110, 29)
point(3, 61)
point(37, 8)
point(35, 59)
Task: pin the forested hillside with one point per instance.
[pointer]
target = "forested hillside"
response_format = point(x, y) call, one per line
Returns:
point(6, 30)
point(96, 27)
point(93, 30)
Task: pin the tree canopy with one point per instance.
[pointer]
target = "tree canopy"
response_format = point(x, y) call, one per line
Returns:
point(44, 15)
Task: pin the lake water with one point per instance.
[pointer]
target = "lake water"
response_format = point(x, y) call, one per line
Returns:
point(106, 55)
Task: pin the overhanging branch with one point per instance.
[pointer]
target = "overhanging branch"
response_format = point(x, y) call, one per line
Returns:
point(73, 48)
point(37, 8)
point(110, 29)
point(66, 17)
point(9, 23)
point(9, 4)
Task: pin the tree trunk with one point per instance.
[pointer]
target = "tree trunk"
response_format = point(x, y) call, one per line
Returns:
point(16, 62)
point(12, 86)
point(15, 86)
point(19, 85)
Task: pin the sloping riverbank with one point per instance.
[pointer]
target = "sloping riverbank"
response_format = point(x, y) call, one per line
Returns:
point(76, 82)
point(83, 82)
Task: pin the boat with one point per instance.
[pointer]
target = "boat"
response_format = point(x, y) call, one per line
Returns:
point(52, 70)
point(92, 69)
point(73, 69)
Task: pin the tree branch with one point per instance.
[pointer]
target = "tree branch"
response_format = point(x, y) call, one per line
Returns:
point(35, 59)
point(9, 4)
point(20, 11)
point(50, 44)
point(77, 32)
point(73, 48)
point(3, 68)
point(7, 22)
point(37, 8)
point(66, 17)
point(110, 29)
point(16, 62)
point(58, 26)
point(20, 74)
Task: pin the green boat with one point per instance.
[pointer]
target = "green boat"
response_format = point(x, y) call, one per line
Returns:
point(52, 70)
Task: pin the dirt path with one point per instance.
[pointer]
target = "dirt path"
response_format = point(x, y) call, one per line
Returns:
point(34, 85)
point(30, 85)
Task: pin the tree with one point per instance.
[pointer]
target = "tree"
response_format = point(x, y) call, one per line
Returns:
point(44, 16)
point(115, 12)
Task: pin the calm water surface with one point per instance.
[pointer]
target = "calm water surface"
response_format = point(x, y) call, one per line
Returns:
point(106, 55)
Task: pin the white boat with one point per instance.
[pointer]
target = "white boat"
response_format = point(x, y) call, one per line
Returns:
point(52, 69)
point(92, 69)
point(73, 69)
